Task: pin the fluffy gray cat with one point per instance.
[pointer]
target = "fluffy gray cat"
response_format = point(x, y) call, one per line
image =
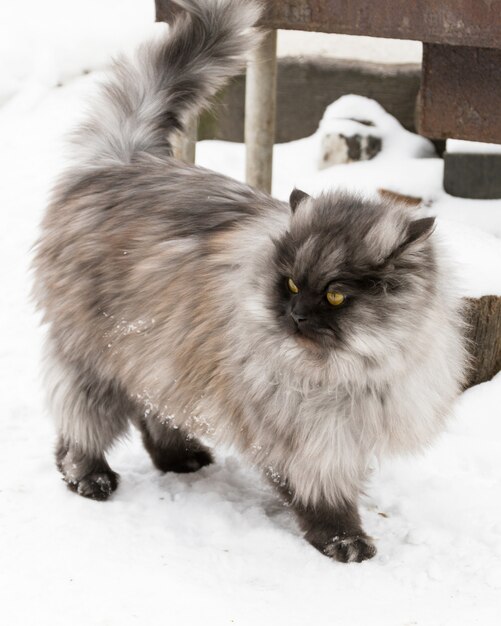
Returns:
point(310, 335)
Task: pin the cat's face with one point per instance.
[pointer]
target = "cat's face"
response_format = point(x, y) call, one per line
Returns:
point(350, 272)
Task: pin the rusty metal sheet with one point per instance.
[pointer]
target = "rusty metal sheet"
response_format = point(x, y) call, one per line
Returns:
point(460, 93)
point(455, 22)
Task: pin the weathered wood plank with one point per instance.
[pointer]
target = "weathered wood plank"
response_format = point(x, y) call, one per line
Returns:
point(460, 93)
point(453, 22)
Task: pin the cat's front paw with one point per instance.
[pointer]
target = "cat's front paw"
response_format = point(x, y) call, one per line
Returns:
point(356, 549)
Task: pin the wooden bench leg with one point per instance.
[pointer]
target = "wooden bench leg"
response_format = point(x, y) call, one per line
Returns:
point(260, 106)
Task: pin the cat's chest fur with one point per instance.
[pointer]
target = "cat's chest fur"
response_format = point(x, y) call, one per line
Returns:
point(320, 434)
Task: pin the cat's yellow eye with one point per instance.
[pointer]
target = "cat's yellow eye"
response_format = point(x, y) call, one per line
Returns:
point(293, 288)
point(335, 298)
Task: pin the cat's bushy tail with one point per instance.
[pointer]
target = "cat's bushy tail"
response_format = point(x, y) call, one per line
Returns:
point(149, 97)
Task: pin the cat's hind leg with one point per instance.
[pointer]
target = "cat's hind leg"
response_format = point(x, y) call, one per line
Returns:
point(90, 415)
point(171, 449)
point(89, 475)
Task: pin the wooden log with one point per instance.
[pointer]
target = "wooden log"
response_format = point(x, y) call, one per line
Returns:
point(483, 316)
point(260, 107)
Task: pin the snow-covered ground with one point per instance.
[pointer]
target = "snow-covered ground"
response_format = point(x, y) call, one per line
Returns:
point(216, 547)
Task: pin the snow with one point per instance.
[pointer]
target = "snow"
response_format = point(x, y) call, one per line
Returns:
point(305, 44)
point(350, 114)
point(216, 547)
point(472, 147)
point(55, 40)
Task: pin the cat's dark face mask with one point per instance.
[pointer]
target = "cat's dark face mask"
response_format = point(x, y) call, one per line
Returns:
point(346, 267)
point(312, 311)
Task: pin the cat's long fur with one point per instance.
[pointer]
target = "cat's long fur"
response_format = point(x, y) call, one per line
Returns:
point(159, 283)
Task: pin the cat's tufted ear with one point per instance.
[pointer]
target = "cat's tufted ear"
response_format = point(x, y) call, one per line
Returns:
point(417, 232)
point(420, 230)
point(296, 197)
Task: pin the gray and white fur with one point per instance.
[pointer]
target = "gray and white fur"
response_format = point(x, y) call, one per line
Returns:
point(164, 287)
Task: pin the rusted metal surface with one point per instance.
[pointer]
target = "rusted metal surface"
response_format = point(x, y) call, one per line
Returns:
point(460, 93)
point(454, 22)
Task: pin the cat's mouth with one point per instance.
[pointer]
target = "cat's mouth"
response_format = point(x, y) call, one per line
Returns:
point(307, 335)
point(306, 332)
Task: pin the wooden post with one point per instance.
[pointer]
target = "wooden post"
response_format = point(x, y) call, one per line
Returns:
point(483, 317)
point(185, 144)
point(260, 106)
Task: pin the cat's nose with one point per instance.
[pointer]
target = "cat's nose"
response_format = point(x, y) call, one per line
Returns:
point(298, 317)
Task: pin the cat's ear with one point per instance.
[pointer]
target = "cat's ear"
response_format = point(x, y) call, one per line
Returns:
point(417, 232)
point(420, 230)
point(296, 197)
